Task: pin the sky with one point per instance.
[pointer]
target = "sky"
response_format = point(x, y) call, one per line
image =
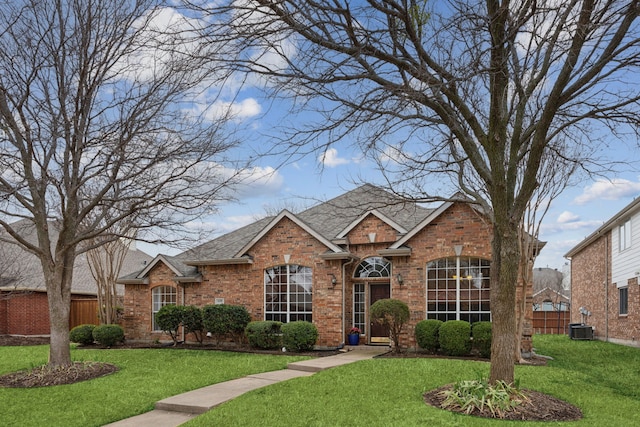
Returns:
point(273, 184)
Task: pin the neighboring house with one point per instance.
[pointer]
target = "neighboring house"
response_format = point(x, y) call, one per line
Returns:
point(550, 302)
point(604, 278)
point(23, 297)
point(328, 264)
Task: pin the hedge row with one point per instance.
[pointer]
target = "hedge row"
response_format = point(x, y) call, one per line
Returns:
point(454, 337)
point(222, 321)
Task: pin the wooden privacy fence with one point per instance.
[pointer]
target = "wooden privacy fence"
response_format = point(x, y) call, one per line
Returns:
point(550, 322)
point(83, 311)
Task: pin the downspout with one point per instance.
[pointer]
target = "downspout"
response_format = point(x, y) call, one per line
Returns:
point(182, 329)
point(344, 302)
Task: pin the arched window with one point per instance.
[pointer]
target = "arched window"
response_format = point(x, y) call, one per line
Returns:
point(458, 288)
point(287, 293)
point(373, 267)
point(161, 296)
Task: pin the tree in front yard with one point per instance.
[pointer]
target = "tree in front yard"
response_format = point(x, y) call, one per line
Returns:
point(94, 131)
point(463, 95)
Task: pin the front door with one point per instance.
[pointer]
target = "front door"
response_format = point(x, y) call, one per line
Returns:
point(378, 334)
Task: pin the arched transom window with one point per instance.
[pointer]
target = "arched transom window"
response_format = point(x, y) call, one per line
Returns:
point(373, 267)
point(287, 293)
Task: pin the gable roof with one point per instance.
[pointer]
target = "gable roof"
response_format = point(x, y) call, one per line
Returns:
point(630, 209)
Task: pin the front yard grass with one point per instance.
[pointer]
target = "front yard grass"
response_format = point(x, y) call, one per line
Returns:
point(602, 379)
point(145, 376)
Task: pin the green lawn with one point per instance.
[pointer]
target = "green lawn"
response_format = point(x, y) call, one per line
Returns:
point(145, 377)
point(602, 379)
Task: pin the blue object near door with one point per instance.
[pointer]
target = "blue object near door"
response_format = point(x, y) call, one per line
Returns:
point(354, 339)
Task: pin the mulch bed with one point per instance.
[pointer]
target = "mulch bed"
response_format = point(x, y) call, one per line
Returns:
point(45, 376)
point(539, 407)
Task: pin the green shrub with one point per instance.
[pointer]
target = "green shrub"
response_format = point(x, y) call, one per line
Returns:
point(499, 399)
point(192, 322)
point(393, 314)
point(264, 334)
point(481, 333)
point(427, 334)
point(108, 335)
point(455, 337)
point(82, 334)
point(299, 336)
point(168, 319)
point(224, 320)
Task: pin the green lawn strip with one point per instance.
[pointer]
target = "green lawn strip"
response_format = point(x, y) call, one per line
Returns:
point(145, 377)
point(600, 378)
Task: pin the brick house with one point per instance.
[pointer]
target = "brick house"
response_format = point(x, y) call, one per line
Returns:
point(604, 278)
point(328, 264)
point(24, 307)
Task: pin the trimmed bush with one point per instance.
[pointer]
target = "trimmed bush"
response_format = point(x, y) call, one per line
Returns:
point(455, 337)
point(168, 319)
point(224, 320)
point(108, 335)
point(299, 336)
point(427, 334)
point(264, 334)
point(392, 313)
point(192, 322)
point(82, 334)
point(481, 333)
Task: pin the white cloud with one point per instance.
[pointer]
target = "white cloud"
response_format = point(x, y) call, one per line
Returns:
point(393, 154)
point(560, 227)
point(613, 189)
point(330, 158)
point(258, 181)
point(236, 111)
point(566, 217)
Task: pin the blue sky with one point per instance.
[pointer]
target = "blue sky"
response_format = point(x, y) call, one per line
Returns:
point(303, 181)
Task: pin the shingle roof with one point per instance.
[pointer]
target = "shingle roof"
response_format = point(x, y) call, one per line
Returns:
point(27, 271)
point(327, 219)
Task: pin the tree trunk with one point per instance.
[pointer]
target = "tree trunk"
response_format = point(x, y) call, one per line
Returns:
point(504, 279)
point(58, 280)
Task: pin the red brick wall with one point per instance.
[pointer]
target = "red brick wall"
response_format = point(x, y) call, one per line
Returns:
point(590, 270)
point(137, 304)
point(458, 225)
point(27, 314)
point(3, 314)
point(592, 289)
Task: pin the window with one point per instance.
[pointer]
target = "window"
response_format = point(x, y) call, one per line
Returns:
point(287, 293)
point(458, 289)
point(359, 306)
point(624, 235)
point(162, 295)
point(373, 267)
point(624, 301)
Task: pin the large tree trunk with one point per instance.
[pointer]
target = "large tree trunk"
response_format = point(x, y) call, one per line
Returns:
point(504, 278)
point(58, 279)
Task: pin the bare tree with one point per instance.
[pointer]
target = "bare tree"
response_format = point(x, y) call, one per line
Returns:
point(478, 91)
point(554, 175)
point(97, 118)
point(105, 262)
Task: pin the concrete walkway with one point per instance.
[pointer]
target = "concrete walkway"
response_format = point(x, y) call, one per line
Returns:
point(179, 409)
